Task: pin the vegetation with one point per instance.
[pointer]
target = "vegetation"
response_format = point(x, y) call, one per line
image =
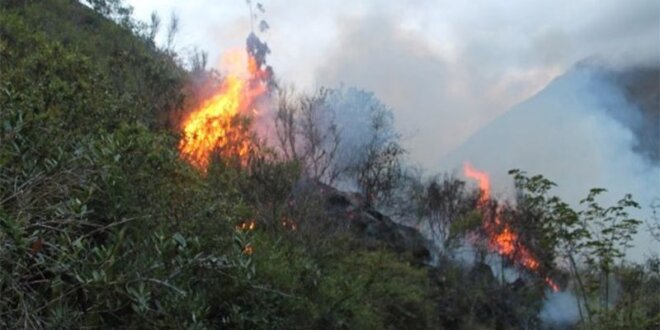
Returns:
point(102, 225)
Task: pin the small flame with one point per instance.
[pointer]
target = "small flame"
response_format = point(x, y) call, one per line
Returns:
point(212, 126)
point(248, 225)
point(502, 238)
point(552, 284)
point(289, 224)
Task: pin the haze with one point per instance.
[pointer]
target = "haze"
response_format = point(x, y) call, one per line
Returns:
point(447, 68)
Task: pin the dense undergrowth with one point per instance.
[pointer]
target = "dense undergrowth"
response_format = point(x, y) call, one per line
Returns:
point(102, 225)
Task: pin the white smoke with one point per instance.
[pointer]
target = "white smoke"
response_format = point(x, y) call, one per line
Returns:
point(447, 68)
point(570, 133)
point(560, 310)
point(341, 124)
point(354, 112)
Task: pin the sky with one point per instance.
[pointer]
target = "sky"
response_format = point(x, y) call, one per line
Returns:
point(446, 68)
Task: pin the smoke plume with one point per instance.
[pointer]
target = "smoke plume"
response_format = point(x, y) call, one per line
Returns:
point(582, 131)
point(560, 310)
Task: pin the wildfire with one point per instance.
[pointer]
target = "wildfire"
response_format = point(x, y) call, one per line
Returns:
point(501, 237)
point(213, 126)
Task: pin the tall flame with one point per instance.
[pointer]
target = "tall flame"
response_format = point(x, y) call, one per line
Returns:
point(212, 126)
point(501, 237)
point(482, 179)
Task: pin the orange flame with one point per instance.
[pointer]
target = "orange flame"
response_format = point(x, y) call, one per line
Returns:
point(502, 238)
point(483, 180)
point(212, 126)
point(248, 225)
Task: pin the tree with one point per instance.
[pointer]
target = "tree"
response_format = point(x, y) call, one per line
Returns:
point(115, 10)
point(154, 26)
point(341, 134)
point(446, 200)
point(307, 133)
point(172, 30)
point(378, 169)
point(612, 231)
point(598, 234)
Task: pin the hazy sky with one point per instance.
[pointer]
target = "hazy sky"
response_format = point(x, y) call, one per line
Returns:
point(447, 68)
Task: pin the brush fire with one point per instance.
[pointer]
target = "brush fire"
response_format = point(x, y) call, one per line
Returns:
point(215, 125)
point(501, 237)
point(212, 127)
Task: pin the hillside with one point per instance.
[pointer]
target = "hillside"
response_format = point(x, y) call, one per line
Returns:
point(103, 225)
point(106, 223)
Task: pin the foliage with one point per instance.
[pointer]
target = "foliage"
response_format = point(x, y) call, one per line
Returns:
point(446, 205)
point(102, 225)
point(596, 235)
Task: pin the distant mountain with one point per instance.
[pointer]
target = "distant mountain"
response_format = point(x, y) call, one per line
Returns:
point(591, 127)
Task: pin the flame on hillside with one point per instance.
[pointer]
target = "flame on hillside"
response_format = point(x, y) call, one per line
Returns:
point(215, 126)
point(501, 237)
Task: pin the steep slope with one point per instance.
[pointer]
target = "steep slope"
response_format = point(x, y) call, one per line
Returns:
point(102, 225)
point(373, 228)
point(145, 79)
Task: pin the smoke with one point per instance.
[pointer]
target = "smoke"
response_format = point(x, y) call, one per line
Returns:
point(355, 112)
point(560, 310)
point(448, 69)
point(332, 132)
point(579, 132)
point(404, 72)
